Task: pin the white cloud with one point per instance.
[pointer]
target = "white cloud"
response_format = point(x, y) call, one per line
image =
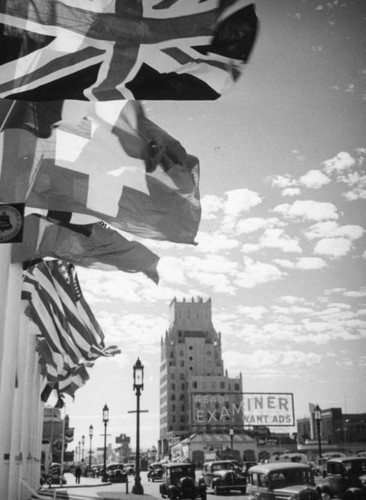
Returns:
point(240, 200)
point(330, 229)
point(333, 247)
point(172, 270)
point(343, 161)
point(215, 242)
point(308, 263)
point(291, 299)
point(287, 264)
point(304, 263)
point(211, 205)
point(257, 273)
point(291, 192)
point(276, 238)
point(252, 224)
point(252, 312)
point(282, 181)
point(250, 247)
point(314, 179)
point(308, 210)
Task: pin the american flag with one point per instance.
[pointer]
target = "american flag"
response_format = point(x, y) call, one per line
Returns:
point(122, 49)
point(70, 338)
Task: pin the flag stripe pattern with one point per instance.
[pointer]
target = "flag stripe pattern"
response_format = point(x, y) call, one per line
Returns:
point(77, 49)
point(70, 338)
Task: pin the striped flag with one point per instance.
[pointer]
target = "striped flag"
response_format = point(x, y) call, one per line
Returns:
point(140, 49)
point(65, 320)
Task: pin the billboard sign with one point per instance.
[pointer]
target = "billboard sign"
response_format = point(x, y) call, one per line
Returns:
point(247, 409)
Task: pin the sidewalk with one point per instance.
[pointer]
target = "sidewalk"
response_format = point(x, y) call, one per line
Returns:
point(90, 488)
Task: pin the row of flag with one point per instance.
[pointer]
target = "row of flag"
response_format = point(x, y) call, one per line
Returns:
point(80, 153)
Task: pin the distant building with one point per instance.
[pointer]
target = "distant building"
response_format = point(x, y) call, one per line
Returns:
point(192, 366)
point(338, 430)
point(56, 436)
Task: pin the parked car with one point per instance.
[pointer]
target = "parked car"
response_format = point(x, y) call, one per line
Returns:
point(179, 482)
point(116, 473)
point(130, 468)
point(345, 478)
point(281, 481)
point(223, 476)
point(155, 472)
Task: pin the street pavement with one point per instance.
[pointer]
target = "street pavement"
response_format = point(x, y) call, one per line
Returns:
point(94, 488)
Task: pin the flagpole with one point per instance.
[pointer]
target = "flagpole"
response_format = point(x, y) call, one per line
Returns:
point(62, 446)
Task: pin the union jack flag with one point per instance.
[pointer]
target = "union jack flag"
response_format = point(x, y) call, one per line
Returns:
point(123, 49)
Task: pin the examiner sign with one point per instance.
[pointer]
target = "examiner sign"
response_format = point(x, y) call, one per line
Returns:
point(248, 408)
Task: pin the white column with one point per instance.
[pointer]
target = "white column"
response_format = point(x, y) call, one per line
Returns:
point(29, 411)
point(10, 280)
point(22, 372)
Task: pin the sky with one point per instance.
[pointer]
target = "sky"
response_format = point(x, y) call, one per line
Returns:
point(281, 246)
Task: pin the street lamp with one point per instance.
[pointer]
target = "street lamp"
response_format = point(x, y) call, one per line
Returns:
point(105, 421)
point(82, 448)
point(91, 430)
point(79, 452)
point(231, 432)
point(138, 385)
point(318, 418)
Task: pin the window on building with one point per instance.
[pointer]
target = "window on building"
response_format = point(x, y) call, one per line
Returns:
point(194, 385)
point(172, 386)
point(191, 368)
point(236, 387)
point(182, 363)
point(182, 418)
point(181, 353)
point(190, 358)
point(181, 376)
point(172, 397)
point(222, 385)
point(182, 387)
point(190, 348)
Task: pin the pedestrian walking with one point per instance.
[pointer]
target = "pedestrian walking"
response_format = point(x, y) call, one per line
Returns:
point(77, 474)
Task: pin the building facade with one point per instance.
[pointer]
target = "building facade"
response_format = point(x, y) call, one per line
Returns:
point(338, 431)
point(192, 367)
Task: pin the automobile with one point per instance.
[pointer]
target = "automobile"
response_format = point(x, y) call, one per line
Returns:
point(155, 472)
point(223, 476)
point(130, 468)
point(345, 478)
point(179, 482)
point(281, 481)
point(116, 473)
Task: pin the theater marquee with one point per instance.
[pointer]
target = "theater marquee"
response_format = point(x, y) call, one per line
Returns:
point(247, 408)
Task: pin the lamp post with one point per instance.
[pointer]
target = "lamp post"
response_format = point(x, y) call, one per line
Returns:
point(138, 385)
point(318, 418)
point(82, 448)
point(105, 421)
point(231, 432)
point(91, 430)
point(188, 447)
point(79, 452)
